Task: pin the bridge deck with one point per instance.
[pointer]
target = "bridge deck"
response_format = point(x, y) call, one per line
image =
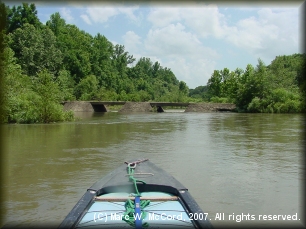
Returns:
point(169, 104)
point(151, 103)
point(100, 106)
point(107, 102)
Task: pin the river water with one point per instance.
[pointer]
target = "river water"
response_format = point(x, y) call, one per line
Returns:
point(242, 165)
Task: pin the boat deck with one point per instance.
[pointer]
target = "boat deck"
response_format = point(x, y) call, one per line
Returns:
point(159, 214)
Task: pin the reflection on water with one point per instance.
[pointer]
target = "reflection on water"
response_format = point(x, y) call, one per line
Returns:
point(231, 163)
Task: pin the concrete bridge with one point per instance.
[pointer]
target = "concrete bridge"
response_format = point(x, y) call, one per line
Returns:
point(101, 106)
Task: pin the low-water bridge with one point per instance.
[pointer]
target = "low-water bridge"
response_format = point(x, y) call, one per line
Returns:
point(100, 106)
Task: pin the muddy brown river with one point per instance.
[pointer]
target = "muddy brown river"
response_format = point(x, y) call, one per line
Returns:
point(242, 169)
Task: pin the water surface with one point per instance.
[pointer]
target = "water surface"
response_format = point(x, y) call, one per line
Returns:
point(231, 163)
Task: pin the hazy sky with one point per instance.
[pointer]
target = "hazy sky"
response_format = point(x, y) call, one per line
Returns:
point(190, 39)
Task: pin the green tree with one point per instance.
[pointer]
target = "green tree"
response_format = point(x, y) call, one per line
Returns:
point(100, 58)
point(30, 101)
point(121, 59)
point(168, 76)
point(15, 87)
point(66, 85)
point(36, 49)
point(56, 24)
point(155, 69)
point(76, 48)
point(246, 88)
point(214, 84)
point(230, 86)
point(48, 104)
point(159, 90)
point(183, 88)
point(18, 16)
point(144, 64)
point(2, 64)
point(200, 92)
point(87, 88)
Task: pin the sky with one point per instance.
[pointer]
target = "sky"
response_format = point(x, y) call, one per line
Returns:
point(192, 39)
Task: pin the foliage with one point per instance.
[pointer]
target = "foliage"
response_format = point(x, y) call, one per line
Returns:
point(273, 88)
point(35, 49)
point(31, 100)
point(18, 16)
point(200, 93)
point(2, 64)
point(278, 101)
point(87, 87)
point(66, 85)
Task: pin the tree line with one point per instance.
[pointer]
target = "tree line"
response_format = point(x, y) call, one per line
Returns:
point(44, 64)
point(276, 88)
point(70, 64)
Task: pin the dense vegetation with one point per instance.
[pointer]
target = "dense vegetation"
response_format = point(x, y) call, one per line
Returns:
point(44, 64)
point(276, 88)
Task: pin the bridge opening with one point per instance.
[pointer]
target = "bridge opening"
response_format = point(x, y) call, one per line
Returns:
point(224, 109)
point(159, 109)
point(99, 107)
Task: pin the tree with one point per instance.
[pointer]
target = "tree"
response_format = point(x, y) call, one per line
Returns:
point(183, 88)
point(214, 84)
point(87, 88)
point(142, 69)
point(155, 69)
point(15, 87)
point(260, 80)
point(18, 16)
point(230, 85)
point(246, 88)
point(200, 92)
point(36, 49)
point(31, 100)
point(76, 48)
point(121, 59)
point(2, 63)
point(49, 96)
point(100, 58)
point(66, 85)
point(285, 72)
point(56, 24)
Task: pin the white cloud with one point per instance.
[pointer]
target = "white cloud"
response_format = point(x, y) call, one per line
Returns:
point(132, 42)
point(129, 12)
point(267, 35)
point(193, 71)
point(102, 14)
point(204, 20)
point(66, 14)
point(251, 34)
point(174, 40)
point(86, 19)
point(161, 17)
point(176, 49)
point(257, 35)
